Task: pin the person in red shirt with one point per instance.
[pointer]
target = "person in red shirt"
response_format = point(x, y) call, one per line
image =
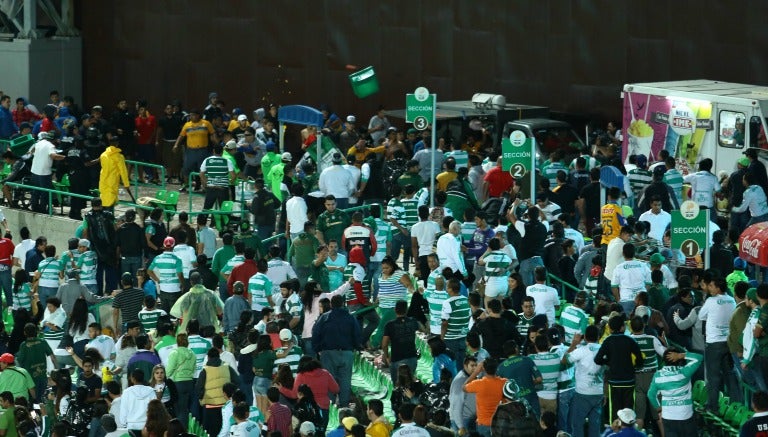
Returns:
point(497, 181)
point(243, 272)
point(21, 114)
point(321, 383)
point(6, 262)
point(146, 131)
point(51, 112)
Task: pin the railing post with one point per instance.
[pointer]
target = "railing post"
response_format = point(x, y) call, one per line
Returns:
point(50, 203)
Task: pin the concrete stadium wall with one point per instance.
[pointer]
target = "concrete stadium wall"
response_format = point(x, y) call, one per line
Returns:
point(56, 229)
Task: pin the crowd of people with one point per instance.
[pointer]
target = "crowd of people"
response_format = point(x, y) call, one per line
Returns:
point(252, 338)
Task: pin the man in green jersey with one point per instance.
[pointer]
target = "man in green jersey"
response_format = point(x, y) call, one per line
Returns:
point(673, 384)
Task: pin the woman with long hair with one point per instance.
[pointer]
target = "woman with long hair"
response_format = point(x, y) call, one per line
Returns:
point(157, 420)
point(312, 375)
point(78, 326)
point(61, 396)
point(407, 390)
point(22, 291)
point(310, 299)
point(516, 291)
point(263, 362)
point(127, 350)
point(394, 285)
point(443, 358)
point(306, 409)
point(284, 378)
point(164, 388)
point(238, 339)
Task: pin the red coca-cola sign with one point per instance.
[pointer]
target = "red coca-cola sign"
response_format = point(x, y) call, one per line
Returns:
point(752, 244)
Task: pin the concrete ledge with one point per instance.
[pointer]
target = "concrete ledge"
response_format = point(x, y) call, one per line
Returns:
point(57, 229)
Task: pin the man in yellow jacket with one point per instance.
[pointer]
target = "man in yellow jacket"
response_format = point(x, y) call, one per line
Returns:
point(113, 170)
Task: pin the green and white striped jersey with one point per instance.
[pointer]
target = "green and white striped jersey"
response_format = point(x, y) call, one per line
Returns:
point(199, 346)
point(149, 318)
point(69, 260)
point(49, 273)
point(674, 385)
point(748, 341)
point(292, 305)
point(674, 179)
point(457, 312)
point(259, 288)
point(652, 349)
point(216, 169)
point(22, 298)
point(292, 359)
point(232, 263)
point(383, 230)
point(467, 230)
point(461, 157)
point(435, 299)
point(548, 364)
point(574, 321)
point(404, 211)
point(497, 264)
point(550, 172)
point(167, 267)
point(87, 263)
point(639, 179)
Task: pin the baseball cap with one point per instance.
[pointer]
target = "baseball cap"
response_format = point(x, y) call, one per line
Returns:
point(657, 259)
point(169, 242)
point(307, 427)
point(642, 311)
point(84, 243)
point(391, 129)
point(510, 389)
point(642, 161)
point(286, 157)
point(242, 117)
point(659, 170)
point(744, 161)
point(627, 415)
point(212, 95)
point(349, 422)
point(739, 263)
point(270, 145)
point(286, 334)
point(231, 144)
point(7, 358)
point(351, 119)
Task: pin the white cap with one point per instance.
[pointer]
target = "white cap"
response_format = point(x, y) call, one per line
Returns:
point(627, 416)
point(286, 334)
point(231, 144)
point(242, 117)
point(286, 157)
point(307, 428)
point(351, 119)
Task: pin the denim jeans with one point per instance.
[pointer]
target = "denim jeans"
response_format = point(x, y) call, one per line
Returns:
point(6, 281)
point(374, 271)
point(40, 198)
point(484, 431)
point(628, 306)
point(106, 276)
point(45, 293)
point(719, 371)
point(586, 407)
point(400, 240)
point(261, 385)
point(93, 288)
point(130, 264)
point(526, 268)
point(564, 404)
point(306, 345)
point(339, 364)
point(185, 390)
point(410, 362)
point(303, 272)
point(459, 348)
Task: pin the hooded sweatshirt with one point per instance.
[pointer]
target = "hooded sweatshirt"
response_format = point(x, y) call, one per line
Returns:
point(133, 406)
point(113, 171)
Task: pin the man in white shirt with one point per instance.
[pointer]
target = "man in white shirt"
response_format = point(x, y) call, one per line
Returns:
point(295, 212)
point(356, 174)
point(186, 254)
point(423, 236)
point(613, 253)
point(337, 181)
point(545, 298)
point(658, 218)
point(704, 184)
point(449, 250)
point(630, 278)
point(717, 311)
point(21, 249)
point(588, 401)
point(45, 153)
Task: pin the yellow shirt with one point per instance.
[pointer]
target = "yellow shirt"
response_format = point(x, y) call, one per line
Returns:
point(197, 133)
point(612, 220)
point(361, 155)
point(445, 178)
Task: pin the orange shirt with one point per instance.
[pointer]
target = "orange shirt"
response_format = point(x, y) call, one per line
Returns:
point(487, 396)
point(612, 221)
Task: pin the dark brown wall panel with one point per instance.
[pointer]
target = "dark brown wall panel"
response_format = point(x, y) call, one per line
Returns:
point(572, 55)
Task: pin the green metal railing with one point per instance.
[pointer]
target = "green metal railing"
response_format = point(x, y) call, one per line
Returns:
point(50, 191)
point(561, 286)
point(191, 192)
point(137, 180)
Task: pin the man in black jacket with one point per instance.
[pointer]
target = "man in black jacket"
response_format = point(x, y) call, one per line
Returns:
point(335, 337)
point(263, 207)
point(100, 230)
point(533, 234)
point(495, 330)
point(622, 355)
point(129, 241)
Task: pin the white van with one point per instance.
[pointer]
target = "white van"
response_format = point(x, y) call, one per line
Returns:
point(695, 119)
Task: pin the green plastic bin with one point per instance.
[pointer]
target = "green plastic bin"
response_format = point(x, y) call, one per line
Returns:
point(364, 82)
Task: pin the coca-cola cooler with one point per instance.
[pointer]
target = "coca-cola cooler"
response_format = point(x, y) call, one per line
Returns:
point(752, 245)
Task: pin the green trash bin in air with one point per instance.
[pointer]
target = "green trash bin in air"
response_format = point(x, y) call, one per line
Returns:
point(364, 82)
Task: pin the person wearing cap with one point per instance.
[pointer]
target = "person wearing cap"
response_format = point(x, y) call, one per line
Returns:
point(167, 271)
point(44, 153)
point(748, 361)
point(753, 200)
point(198, 134)
point(349, 137)
point(127, 301)
point(276, 175)
point(15, 379)
point(73, 290)
point(289, 353)
point(198, 303)
point(673, 383)
point(237, 125)
point(411, 175)
point(625, 424)
point(270, 158)
point(656, 262)
point(513, 417)
point(338, 182)
point(621, 354)
point(307, 429)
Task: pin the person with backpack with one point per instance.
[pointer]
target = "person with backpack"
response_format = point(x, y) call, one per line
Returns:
point(99, 229)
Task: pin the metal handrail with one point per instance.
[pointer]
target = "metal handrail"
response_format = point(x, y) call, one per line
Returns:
point(137, 181)
point(50, 191)
point(564, 285)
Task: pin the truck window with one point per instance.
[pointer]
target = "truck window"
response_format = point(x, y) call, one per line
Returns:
point(731, 129)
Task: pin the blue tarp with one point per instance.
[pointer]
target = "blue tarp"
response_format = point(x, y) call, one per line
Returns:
point(300, 114)
point(610, 176)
